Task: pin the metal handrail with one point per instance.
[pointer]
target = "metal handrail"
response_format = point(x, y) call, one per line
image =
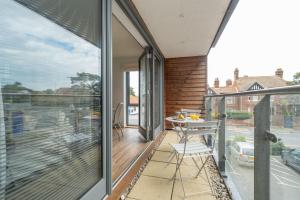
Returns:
point(50, 95)
point(272, 91)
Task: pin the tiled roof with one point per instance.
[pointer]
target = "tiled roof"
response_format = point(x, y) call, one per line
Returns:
point(244, 83)
point(224, 90)
point(134, 100)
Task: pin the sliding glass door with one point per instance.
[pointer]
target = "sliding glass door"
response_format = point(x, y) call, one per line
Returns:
point(157, 95)
point(144, 95)
point(52, 113)
point(150, 95)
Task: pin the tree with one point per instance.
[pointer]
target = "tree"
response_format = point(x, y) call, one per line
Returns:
point(132, 92)
point(14, 88)
point(296, 79)
point(10, 90)
point(91, 82)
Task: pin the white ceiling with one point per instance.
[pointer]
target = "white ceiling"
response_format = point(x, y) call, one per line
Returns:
point(123, 19)
point(124, 45)
point(183, 27)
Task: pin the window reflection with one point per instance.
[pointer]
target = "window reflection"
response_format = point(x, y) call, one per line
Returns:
point(50, 107)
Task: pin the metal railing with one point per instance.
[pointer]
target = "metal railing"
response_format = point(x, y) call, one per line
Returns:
point(262, 134)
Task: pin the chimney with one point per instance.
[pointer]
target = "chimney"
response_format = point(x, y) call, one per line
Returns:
point(216, 83)
point(228, 82)
point(236, 74)
point(279, 73)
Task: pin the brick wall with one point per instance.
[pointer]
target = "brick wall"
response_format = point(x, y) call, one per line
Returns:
point(185, 83)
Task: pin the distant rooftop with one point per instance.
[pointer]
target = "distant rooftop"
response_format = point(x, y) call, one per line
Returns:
point(246, 83)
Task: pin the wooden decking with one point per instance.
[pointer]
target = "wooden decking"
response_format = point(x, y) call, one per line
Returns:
point(126, 150)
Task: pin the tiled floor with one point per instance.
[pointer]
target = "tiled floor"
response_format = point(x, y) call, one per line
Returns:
point(155, 183)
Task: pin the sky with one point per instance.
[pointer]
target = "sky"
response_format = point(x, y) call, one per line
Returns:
point(261, 36)
point(38, 53)
point(134, 81)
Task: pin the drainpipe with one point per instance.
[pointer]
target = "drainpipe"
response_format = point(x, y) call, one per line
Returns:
point(2, 150)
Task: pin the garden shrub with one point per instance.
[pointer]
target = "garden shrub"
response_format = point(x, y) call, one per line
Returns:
point(277, 148)
point(239, 115)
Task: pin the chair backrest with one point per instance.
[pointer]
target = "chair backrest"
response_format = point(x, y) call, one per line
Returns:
point(191, 111)
point(117, 113)
point(203, 125)
point(207, 128)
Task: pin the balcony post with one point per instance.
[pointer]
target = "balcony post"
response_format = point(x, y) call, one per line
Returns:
point(221, 141)
point(208, 109)
point(262, 150)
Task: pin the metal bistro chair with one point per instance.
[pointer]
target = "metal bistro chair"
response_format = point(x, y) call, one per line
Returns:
point(116, 120)
point(178, 129)
point(187, 112)
point(195, 149)
point(191, 111)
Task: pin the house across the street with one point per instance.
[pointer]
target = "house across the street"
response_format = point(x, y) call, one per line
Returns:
point(285, 109)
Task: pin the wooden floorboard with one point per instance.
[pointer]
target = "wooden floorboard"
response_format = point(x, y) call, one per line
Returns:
point(126, 150)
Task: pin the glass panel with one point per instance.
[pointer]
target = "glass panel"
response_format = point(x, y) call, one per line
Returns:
point(285, 154)
point(77, 16)
point(215, 112)
point(239, 146)
point(143, 91)
point(156, 93)
point(50, 102)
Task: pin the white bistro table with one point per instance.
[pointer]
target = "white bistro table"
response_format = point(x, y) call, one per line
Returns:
point(181, 125)
point(175, 120)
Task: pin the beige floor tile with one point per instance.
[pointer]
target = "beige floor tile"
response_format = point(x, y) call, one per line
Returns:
point(194, 190)
point(159, 169)
point(189, 171)
point(188, 161)
point(162, 156)
point(164, 147)
point(170, 138)
point(149, 188)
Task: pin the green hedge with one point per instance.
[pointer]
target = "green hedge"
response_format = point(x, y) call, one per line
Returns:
point(277, 148)
point(239, 115)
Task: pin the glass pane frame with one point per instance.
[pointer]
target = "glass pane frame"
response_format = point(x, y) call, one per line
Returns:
point(103, 187)
point(157, 94)
point(144, 94)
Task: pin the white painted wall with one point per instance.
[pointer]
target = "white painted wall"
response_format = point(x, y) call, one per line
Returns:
point(120, 66)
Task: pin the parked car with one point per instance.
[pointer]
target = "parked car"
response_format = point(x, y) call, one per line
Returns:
point(292, 158)
point(243, 153)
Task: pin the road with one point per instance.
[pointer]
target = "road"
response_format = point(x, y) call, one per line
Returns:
point(285, 181)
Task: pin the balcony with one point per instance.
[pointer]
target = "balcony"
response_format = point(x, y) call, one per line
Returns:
point(257, 152)
point(155, 180)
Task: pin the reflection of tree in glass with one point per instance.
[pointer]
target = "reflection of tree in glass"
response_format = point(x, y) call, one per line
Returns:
point(88, 83)
point(91, 82)
point(14, 88)
point(11, 92)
